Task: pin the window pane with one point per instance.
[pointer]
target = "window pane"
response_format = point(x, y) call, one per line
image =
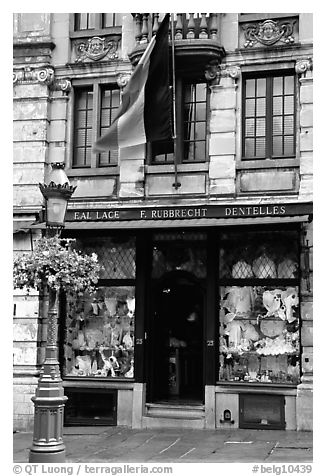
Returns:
point(288, 145)
point(249, 147)
point(200, 151)
point(200, 130)
point(288, 124)
point(261, 107)
point(80, 137)
point(261, 87)
point(288, 105)
point(88, 156)
point(277, 125)
point(261, 147)
point(201, 111)
point(288, 84)
point(250, 107)
point(250, 88)
point(277, 86)
point(79, 157)
point(277, 146)
point(277, 105)
point(260, 127)
point(201, 92)
point(250, 127)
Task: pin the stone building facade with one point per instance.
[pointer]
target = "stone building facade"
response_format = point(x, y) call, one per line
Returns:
point(58, 57)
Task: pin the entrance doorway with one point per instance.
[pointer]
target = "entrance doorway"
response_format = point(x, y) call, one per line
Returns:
point(176, 339)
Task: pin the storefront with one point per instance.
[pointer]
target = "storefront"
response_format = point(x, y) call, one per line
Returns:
point(196, 317)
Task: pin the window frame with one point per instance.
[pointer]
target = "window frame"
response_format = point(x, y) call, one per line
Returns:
point(102, 283)
point(283, 160)
point(98, 31)
point(180, 113)
point(97, 86)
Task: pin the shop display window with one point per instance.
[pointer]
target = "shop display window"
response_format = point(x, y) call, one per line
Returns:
point(259, 309)
point(99, 334)
point(181, 251)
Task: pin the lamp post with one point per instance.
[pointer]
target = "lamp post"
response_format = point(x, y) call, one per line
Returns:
point(49, 399)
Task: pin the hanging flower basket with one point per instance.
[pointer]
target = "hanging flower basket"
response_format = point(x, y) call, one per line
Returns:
point(56, 264)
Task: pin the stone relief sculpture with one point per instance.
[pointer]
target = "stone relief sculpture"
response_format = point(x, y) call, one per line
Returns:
point(268, 33)
point(96, 48)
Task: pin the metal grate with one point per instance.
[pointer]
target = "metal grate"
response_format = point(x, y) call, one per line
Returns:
point(117, 258)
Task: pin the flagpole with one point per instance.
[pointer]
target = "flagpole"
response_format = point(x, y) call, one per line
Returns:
point(176, 184)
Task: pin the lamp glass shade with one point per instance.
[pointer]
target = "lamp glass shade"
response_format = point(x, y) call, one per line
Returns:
point(56, 210)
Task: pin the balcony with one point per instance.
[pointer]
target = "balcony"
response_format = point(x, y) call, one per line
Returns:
point(197, 38)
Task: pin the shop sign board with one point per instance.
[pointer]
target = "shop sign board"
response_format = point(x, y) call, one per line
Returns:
point(188, 212)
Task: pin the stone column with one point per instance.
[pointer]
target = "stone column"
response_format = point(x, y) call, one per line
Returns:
point(222, 142)
point(304, 70)
point(57, 137)
point(304, 406)
point(131, 161)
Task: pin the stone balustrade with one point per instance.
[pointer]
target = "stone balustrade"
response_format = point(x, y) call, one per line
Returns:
point(188, 26)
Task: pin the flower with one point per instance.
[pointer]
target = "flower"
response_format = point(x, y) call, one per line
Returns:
point(54, 262)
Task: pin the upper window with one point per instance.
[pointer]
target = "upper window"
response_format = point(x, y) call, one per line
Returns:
point(97, 21)
point(268, 116)
point(95, 109)
point(191, 111)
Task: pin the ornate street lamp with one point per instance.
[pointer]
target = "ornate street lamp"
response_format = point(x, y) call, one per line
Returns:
point(49, 400)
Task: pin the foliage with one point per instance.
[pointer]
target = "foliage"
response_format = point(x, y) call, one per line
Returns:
point(55, 263)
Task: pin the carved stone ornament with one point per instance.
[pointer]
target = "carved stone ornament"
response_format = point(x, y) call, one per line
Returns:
point(233, 71)
point(31, 75)
point(303, 65)
point(268, 33)
point(123, 79)
point(96, 48)
point(62, 84)
point(213, 72)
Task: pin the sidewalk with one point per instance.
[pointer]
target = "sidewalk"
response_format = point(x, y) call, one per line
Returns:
point(120, 444)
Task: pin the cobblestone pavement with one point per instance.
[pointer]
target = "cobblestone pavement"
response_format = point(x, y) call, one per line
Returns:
point(119, 444)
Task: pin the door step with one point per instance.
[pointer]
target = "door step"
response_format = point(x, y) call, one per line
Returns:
point(174, 416)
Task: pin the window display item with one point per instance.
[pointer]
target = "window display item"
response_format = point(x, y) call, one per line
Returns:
point(239, 300)
point(272, 301)
point(290, 300)
point(272, 328)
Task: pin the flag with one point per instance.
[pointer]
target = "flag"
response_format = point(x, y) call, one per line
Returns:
point(145, 111)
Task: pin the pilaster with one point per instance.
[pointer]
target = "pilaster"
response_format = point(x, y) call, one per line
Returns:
point(304, 404)
point(222, 142)
point(303, 68)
